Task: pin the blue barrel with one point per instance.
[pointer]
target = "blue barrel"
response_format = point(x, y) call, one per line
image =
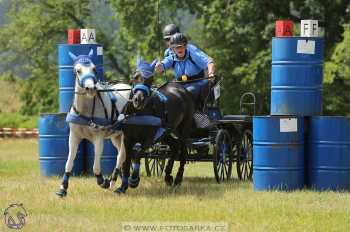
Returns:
point(66, 74)
point(297, 73)
point(278, 148)
point(329, 153)
point(53, 146)
point(108, 160)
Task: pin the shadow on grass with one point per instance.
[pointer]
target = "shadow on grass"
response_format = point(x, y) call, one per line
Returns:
point(191, 186)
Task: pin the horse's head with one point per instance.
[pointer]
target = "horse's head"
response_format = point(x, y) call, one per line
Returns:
point(140, 93)
point(142, 80)
point(85, 73)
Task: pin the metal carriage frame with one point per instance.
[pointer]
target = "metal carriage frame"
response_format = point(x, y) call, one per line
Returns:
point(229, 141)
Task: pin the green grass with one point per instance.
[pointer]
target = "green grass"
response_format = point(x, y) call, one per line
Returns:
point(200, 199)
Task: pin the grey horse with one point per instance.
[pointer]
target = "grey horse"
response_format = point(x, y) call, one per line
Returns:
point(95, 115)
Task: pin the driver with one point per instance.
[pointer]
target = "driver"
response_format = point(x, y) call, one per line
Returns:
point(189, 66)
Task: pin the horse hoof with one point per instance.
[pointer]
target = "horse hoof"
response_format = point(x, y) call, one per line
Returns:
point(61, 193)
point(134, 182)
point(111, 184)
point(105, 184)
point(99, 179)
point(121, 190)
point(176, 188)
point(169, 180)
point(178, 181)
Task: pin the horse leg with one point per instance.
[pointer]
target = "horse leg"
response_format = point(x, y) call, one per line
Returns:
point(73, 148)
point(168, 178)
point(134, 179)
point(180, 171)
point(184, 133)
point(98, 144)
point(126, 169)
point(125, 179)
point(118, 142)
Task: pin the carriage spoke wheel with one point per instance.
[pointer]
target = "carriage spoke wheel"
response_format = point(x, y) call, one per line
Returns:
point(154, 166)
point(222, 159)
point(245, 157)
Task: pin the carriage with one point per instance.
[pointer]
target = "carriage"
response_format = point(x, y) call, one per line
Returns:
point(221, 140)
point(226, 142)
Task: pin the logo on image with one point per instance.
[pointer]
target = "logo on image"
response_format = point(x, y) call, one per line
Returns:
point(15, 216)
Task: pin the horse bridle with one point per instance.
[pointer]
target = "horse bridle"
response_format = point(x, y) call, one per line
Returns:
point(98, 91)
point(80, 83)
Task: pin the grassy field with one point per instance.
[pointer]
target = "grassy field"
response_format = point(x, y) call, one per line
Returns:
point(200, 199)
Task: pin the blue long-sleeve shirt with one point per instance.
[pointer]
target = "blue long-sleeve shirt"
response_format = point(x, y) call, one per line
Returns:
point(188, 66)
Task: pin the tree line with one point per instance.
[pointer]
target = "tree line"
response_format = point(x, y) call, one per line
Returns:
point(236, 33)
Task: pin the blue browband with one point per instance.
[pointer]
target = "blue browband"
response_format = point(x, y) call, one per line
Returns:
point(84, 60)
point(141, 87)
point(160, 95)
point(147, 91)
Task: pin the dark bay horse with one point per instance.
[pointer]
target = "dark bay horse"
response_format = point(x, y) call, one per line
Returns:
point(174, 107)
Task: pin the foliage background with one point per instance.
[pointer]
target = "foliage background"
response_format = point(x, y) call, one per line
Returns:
point(237, 34)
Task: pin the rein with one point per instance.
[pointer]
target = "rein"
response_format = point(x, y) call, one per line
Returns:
point(111, 90)
point(198, 79)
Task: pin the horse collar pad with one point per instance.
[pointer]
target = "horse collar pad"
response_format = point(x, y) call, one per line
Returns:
point(161, 96)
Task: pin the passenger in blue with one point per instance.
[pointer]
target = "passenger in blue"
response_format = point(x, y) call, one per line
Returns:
point(168, 31)
point(189, 66)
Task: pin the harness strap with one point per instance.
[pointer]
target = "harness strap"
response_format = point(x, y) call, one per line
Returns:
point(113, 113)
point(190, 58)
point(87, 119)
point(93, 109)
point(103, 104)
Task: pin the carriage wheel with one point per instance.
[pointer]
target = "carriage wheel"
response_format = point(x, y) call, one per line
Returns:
point(245, 156)
point(154, 166)
point(222, 160)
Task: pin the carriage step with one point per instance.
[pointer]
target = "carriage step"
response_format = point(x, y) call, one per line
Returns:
point(201, 144)
point(163, 148)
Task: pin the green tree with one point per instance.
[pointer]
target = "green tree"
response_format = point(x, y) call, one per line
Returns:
point(30, 39)
point(237, 34)
point(28, 45)
point(337, 78)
